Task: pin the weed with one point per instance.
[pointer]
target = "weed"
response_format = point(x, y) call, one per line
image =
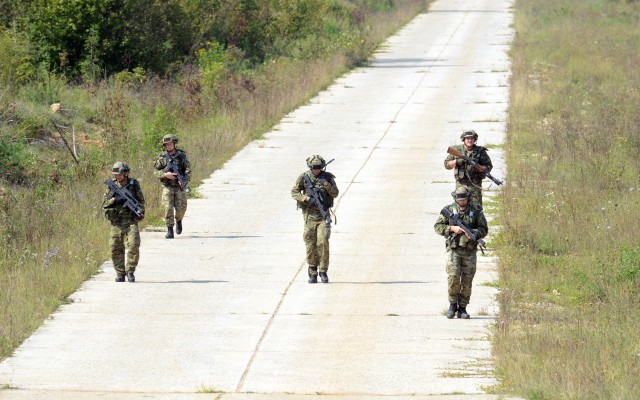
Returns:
point(209, 389)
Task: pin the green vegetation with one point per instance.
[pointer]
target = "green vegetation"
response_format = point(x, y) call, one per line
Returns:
point(569, 251)
point(86, 83)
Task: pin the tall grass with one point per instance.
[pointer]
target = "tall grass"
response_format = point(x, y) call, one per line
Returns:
point(66, 243)
point(52, 234)
point(569, 254)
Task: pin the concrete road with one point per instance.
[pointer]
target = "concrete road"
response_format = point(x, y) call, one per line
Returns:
point(224, 311)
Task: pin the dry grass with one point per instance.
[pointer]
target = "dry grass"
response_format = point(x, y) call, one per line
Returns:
point(570, 264)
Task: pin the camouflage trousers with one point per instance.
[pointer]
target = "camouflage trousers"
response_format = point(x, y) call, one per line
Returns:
point(476, 192)
point(174, 198)
point(461, 268)
point(316, 238)
point(126, 237)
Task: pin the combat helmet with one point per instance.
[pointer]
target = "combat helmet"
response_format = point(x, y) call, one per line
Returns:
point(169, 137)
point(316, 161)
point(469, 133)
point(461, 193)
point(120, 167)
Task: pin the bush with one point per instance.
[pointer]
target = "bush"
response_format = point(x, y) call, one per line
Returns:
point(629, 264)
point(155, 128)
point(13, 158)
point(93, 35)
point(44, 87)
point(16, 65)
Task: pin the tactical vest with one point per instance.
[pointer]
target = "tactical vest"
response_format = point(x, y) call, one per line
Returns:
point(118, 213)
point(471, 219)
point(318, 182)
point(469, 172)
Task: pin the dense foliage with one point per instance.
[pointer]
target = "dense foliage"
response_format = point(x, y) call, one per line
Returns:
point(90, 38)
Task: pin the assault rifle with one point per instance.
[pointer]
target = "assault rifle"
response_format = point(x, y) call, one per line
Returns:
point(480, 168)
point(172, 166)
point(317, 198)
point(455, 220)
point(124, 194)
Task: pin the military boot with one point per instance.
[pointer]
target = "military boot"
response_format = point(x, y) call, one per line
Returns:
point(462, 313)
point(130, 277)
point(178, 227)
point(120, 278)
point(169, 234)
point(324, 277)
point(453, 307)
point(313, 274)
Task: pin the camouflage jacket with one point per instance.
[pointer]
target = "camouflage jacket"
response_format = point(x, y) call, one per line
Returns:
point(467, 174)
point(473, 217)
point(298, 191)
point(161, 164)
point(116, 212)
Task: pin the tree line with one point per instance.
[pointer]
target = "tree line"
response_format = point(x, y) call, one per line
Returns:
point(96, 38)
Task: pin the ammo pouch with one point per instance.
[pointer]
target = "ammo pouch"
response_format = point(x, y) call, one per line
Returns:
point(111, 214)
point(460, 242)
point(451, 242)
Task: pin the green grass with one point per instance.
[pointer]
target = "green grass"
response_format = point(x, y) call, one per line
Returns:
point(569, 258)
point(209, 389)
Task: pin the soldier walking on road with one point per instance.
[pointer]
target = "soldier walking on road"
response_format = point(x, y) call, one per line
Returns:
point(461, 249)
point(125, 235)
point(170, 166)
point(466, 174)
point(314, 192)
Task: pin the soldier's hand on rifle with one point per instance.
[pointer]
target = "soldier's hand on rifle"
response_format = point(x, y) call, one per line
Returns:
point(458, 231)
point(306, 199)
point(170, 175)
point(326, 184)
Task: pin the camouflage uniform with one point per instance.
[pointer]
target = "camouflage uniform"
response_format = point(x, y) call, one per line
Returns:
point(124, 228)
point(461, 262)
point(316, 231)
point(467, 175)
point(173, 195)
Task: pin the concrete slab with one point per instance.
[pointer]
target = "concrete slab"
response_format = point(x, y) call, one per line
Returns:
point(224, 311)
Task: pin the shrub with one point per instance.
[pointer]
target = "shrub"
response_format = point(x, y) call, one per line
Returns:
point(13, 160)
point(155, 128)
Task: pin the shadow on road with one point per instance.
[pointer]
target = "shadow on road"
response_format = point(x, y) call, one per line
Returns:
point(381, 283)
point(191, 281)
point(222, 236)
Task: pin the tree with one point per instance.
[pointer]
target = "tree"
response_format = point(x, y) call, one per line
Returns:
point(114, 35)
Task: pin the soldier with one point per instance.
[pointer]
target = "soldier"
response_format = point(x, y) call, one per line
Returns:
point(317, 228)
point(467, 175)
point(461, 262)
point(174, 193)
point(124, 222)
